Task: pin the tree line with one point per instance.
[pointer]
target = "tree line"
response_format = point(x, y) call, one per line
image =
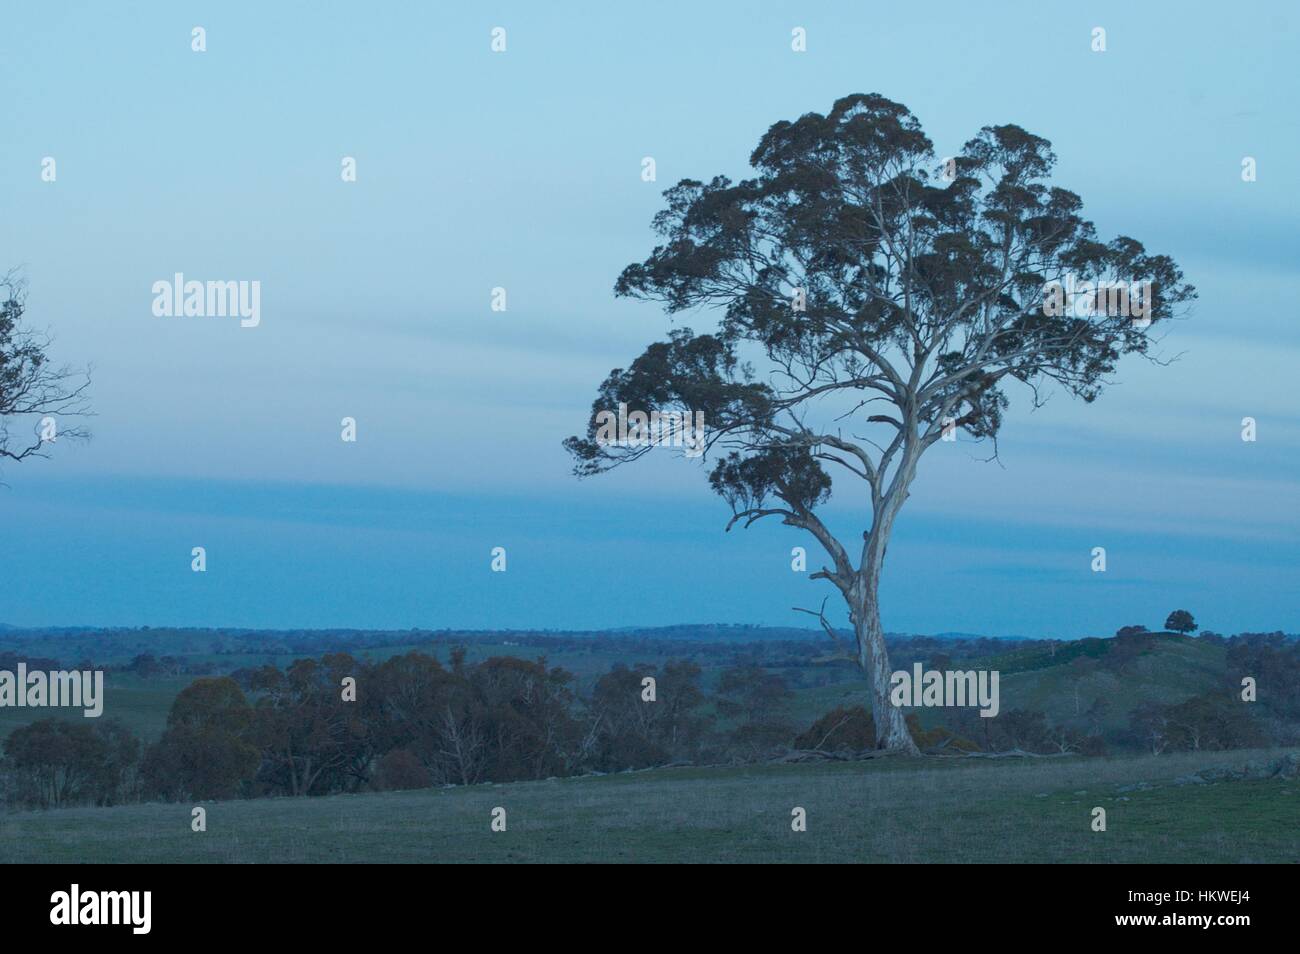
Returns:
point(341, 724)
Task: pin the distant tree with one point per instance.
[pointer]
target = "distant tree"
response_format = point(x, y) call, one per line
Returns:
point(630, 732)
point(115, 777)
point(1096, 715)
point(755, 700)
point(891, 307)
point(679, 687)
point(433, 712)
point(1273, 661)
point(1123, 651)
point(145, 664)
point(206, 751)
point(627, 731)
point(1064, 738)
point(525, 709)
point(311, 739)
point(1180, 621)
point(1022, 729)
point(409, 693)
point(58, 762)
point(1134, 630)
point(749, 692)
point(1149, 726)
point(31, 388)
point(1212, 721)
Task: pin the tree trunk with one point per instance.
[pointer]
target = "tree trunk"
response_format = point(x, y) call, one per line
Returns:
point(891, 729)
point(864, 609)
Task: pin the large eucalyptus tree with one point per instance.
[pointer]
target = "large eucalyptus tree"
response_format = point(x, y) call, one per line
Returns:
point(873, 299)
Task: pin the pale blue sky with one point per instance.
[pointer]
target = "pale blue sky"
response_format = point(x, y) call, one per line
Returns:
point(522, 170)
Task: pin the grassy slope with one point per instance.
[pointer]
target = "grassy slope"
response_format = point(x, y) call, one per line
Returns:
point(895, 811)
point(1173, 670)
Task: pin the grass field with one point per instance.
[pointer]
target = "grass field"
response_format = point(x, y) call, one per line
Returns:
point(142, 703)
point(875, 811)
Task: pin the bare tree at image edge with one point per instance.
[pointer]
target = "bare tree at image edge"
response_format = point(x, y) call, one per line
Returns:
point(30, 386)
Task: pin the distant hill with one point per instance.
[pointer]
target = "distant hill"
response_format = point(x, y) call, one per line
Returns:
point(1065, 683)
point(689, 632)
point(74, 643)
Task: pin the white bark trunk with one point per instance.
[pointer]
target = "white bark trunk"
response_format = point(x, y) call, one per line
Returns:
point(873, 657)
point(864, 607)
